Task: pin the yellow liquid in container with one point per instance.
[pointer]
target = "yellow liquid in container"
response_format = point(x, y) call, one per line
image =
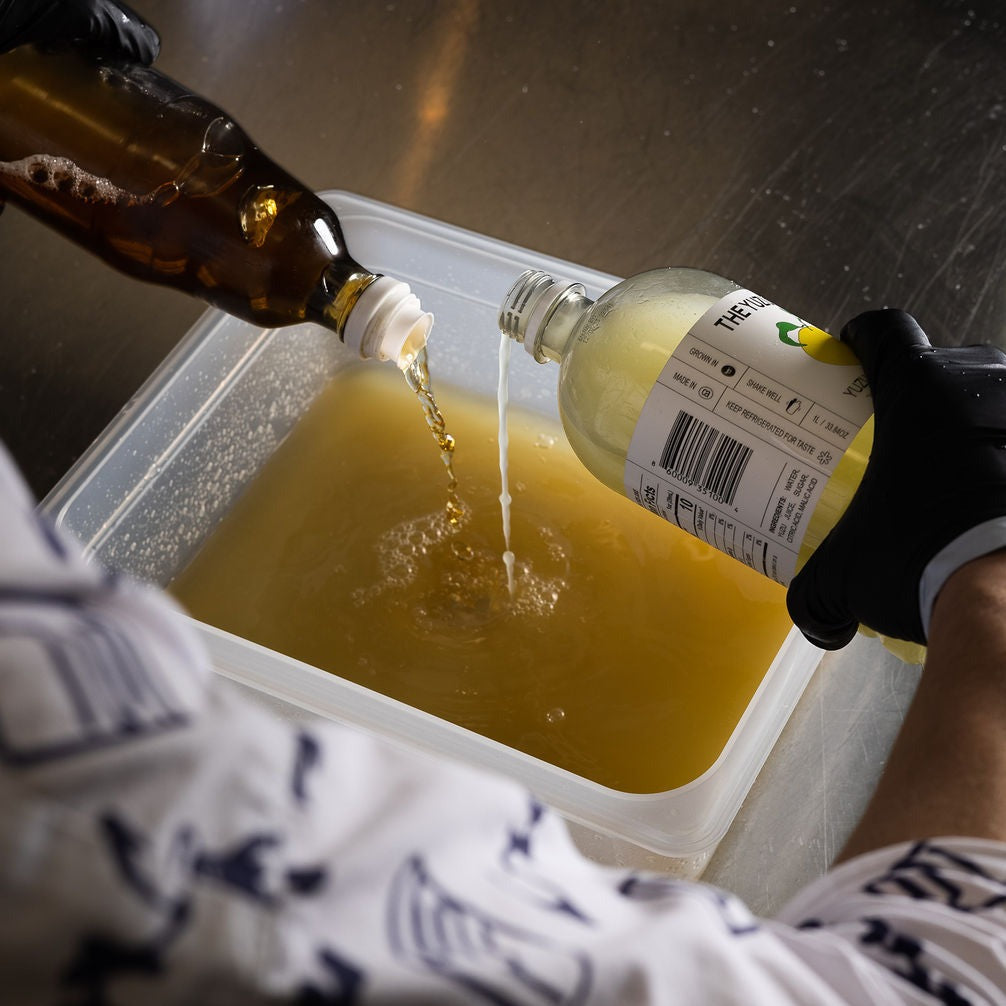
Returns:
point(627, 655)
point(610, 354)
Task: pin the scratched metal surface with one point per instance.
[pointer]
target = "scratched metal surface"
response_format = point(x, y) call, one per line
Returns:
point(834, 157)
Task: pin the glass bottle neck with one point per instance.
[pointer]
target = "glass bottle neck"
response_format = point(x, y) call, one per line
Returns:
point(337, 294)
point(555, 332)
point(376, 316)
point(542, 312)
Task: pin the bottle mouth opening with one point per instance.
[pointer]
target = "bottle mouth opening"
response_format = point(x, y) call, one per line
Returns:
point(415, 341)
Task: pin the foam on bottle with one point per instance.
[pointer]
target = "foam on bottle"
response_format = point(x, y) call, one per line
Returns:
point(61, 175)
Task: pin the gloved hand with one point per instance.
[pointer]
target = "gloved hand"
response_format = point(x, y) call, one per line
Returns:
point(933, 495)
point(105, 26)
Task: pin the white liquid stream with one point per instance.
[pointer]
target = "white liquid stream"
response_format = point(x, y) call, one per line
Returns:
point(502, 399)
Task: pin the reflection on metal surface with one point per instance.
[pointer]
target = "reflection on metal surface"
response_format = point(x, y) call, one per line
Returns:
point(446, 59)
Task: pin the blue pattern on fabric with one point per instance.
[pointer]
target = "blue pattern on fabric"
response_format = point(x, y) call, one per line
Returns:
point(242, 868)
point(488, 957)
point(345, 983)
point(127, 848)
point(251, 865)
point(923, 874)
point(246, 868)
point(526, 879)
point(307, 880)
point(306, 758)
point(733, 913)
point(927, 872)
point(99, 689)
point(99, 958)
point(905, 958)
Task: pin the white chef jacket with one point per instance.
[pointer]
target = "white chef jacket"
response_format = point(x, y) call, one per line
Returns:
point(163, 841)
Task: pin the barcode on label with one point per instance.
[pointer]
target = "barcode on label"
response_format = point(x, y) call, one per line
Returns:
point(700, 455)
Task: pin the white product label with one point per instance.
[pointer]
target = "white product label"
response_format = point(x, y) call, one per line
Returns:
point(745, 424)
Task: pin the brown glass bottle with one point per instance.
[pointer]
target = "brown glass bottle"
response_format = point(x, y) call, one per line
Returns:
point(165, 186)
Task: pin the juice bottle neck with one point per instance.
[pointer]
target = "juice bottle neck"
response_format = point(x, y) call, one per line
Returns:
point(377, 316)
point(541, 312)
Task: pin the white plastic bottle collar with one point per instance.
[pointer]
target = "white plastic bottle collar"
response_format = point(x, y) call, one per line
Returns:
point(388, 323)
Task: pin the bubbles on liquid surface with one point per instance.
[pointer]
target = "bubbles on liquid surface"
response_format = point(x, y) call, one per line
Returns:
point(449, 580)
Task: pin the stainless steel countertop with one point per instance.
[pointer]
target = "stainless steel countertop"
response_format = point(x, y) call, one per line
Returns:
point(834, 157)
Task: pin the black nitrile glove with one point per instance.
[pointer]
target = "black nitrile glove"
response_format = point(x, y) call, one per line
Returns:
point(109, 28)
point(934, 492)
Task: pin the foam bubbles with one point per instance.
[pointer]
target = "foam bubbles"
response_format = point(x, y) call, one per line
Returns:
point(60, 174)
point(449, 579)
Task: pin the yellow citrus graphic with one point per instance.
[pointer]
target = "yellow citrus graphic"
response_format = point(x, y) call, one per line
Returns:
point(817, 343)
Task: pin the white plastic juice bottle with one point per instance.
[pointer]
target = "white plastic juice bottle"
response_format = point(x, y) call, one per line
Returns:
point(707, 404)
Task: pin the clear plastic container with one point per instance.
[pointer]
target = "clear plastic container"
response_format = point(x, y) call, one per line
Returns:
point(156, 483)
